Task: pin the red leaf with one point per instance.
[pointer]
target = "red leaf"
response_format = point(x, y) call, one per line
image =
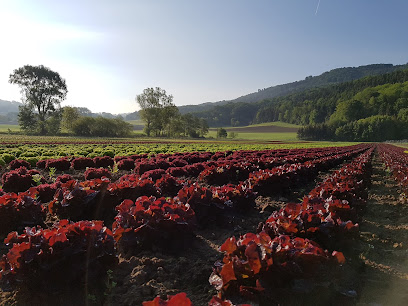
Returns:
point(229, 246)
point(227, 273)
point(252, 254)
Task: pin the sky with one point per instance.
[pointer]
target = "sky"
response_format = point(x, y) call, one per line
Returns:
point(198, 51)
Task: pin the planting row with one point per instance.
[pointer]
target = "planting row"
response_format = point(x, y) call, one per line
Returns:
point(152, 208)
point(289, 244)
point(97, 198)
point(396, 161)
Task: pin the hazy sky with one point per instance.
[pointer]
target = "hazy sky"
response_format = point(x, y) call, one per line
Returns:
point(197, 50)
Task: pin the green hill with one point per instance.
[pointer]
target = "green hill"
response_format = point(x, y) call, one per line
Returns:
point(335, 76)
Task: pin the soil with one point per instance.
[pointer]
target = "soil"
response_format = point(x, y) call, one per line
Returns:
point(384, 243)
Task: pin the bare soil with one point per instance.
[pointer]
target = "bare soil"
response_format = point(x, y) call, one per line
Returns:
point(384, 243)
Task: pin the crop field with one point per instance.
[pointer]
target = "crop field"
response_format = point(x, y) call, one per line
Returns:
point(144, 222)
point(4, 128)
point(277, 131)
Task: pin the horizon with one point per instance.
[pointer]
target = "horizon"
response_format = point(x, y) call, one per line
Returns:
point(198, 52)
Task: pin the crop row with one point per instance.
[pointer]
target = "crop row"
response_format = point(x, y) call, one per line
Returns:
point(147, 207)
point(396, 161)
point(34, 153)
point(288, 245)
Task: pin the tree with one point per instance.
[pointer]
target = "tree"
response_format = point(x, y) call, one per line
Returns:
point(42, 90)
point(222, 133)
point(69, 115)
point(156, 109)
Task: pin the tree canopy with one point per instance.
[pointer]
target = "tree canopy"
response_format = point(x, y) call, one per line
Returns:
point(42, 92)
point(162, 117)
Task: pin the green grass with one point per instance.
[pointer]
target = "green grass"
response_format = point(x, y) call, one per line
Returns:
point(135, 122)
point(260, 136)
point(276, 123)
point(12, 127)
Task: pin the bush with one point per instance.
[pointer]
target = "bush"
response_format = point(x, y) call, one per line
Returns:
point(222, 133)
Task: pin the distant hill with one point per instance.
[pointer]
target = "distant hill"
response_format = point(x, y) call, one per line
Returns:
point(9, 106)
point(335, 76)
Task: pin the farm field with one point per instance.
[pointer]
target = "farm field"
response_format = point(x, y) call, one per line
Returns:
point(120, 222)
point(5, 127)
point(278, 131)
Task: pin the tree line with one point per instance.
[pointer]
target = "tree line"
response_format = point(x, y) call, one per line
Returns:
point(162, 117)
point(43, 90)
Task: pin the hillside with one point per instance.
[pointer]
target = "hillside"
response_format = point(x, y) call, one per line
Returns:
point(335, 76)
point(310, 106)
point(9, 106)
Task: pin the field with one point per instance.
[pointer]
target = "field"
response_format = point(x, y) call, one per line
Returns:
point(125, 221)
point(278, 131)
point(4, 128)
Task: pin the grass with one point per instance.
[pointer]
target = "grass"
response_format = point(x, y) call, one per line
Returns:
point(135, 122)
point(276, 123)
point(12, 127)
point(260, 136)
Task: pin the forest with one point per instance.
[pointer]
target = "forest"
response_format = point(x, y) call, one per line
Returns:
point(331, 112)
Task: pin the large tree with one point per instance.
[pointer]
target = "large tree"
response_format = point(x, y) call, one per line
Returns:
point(157, 109)
point(42, 90)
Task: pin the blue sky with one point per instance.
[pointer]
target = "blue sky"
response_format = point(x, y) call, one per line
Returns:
point(198, 51)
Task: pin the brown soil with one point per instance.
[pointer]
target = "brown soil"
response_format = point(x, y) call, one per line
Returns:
point(384, 243)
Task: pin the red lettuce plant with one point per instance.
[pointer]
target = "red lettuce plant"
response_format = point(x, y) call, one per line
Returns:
point(126, 164)
point(17, 163)
point(19, 179)
point(93, 173)
point(103, 162)
point(273, 262)
point(19, 211)
point(179, 299)
point(149, 221)
point(74, 202)
point(53, 258)
point(60, 164)
point(81, 163)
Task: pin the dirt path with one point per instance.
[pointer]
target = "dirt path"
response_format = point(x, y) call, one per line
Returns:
point(384, 243)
